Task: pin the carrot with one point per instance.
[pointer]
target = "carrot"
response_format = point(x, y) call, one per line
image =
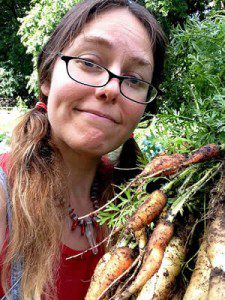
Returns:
point(162, 163)
point(216, 254)
point(98, 270)
point(160, 237)
point(109, 268)
point(199, 283)
point(147, 211)
point(216, 239)
point(141, 238)
point(216, 285)
point(160, 285)
point(158, 241)
point(202, 154)
point(169, 164)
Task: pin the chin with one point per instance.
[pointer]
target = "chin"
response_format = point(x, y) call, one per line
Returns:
point(93, 143)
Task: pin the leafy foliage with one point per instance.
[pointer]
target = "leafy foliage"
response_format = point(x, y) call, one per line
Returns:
point(184, 191)
point(37, 26)
point(8, 82)
point(151, 147)
point(173, 12)
point(15, 64)
point(193, 109)
point(117, 213)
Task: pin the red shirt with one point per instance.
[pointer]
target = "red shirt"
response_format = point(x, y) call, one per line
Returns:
point(74, 275)
point(3, 161)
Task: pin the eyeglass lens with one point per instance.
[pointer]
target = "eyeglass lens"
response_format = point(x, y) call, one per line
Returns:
point(89, 73)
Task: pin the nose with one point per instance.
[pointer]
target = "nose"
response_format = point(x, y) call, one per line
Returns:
point(109, 92)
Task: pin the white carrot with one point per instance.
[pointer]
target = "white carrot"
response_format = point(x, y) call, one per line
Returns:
point(160, 285)
point(216, 255)
point(199, 283)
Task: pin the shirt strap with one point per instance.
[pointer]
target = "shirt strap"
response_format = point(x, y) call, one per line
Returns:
point(16, 268)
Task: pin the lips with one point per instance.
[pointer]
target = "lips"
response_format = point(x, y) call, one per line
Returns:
point(99, 114)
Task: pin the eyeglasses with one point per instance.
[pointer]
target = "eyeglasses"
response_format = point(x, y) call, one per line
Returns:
point(91, 74)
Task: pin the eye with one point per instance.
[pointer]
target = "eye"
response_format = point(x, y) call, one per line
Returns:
point(91, 59)
point(134, 80)
point(135, 83)
point(87, 65)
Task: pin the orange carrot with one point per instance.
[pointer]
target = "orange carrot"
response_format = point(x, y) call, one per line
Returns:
point(169, 164)
point(157, 244)
point(116, 262)
point(164, 162)
point(147, 211)
point(202, 154)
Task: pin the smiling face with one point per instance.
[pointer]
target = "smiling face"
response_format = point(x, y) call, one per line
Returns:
point(95, 120)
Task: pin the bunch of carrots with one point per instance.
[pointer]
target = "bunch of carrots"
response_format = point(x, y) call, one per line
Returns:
point(151, 246)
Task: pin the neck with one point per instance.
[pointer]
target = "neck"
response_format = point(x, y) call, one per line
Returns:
point(81, 171)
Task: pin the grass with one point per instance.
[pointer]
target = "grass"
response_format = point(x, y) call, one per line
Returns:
point(8, 119)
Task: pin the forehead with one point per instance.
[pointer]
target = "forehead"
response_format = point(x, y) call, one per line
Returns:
point(118, 29)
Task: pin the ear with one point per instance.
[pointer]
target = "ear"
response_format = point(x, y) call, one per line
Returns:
point(45, 88)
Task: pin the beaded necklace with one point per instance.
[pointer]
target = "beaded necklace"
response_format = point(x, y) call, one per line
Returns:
point(86, 225)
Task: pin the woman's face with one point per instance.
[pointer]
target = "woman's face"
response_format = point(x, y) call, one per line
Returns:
point(95, 120)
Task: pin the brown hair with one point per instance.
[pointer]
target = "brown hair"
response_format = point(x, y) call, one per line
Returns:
point(39, 193)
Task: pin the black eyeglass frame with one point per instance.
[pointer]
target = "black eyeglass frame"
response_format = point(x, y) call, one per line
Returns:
point(111, 75)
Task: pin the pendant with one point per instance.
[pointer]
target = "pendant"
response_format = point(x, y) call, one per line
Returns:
point(89, 232)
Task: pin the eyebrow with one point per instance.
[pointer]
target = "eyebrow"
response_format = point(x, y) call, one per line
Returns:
point(140, 61)
point(107, 43)
point(98, 40)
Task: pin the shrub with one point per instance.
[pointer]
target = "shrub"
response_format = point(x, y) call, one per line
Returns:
point(193, 107)
point(8, 85)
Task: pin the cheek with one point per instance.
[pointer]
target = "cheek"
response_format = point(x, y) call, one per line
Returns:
point(64, 96)
point(133, 115)
point(63, 90)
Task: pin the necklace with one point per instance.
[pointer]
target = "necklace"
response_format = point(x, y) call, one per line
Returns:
point(87, 224)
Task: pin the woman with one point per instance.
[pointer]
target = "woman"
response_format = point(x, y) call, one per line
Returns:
point(97, 74)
